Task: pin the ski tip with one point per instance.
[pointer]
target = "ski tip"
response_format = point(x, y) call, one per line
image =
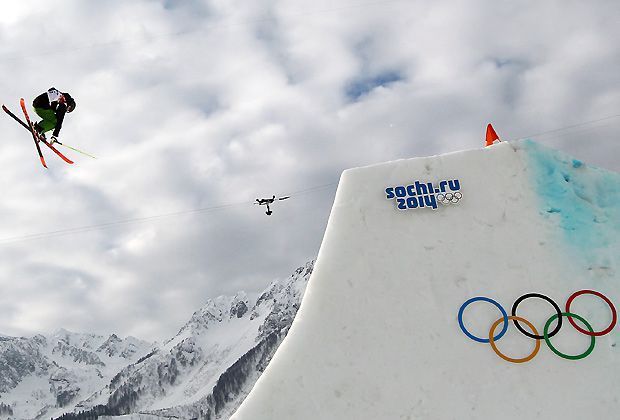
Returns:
point(43, 162)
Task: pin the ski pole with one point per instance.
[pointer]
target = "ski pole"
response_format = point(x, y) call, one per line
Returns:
point(77, 150)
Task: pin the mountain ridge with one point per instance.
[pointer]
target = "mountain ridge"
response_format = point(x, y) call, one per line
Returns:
point(203, 371)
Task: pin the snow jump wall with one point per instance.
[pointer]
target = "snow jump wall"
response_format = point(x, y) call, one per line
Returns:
point(378, 336)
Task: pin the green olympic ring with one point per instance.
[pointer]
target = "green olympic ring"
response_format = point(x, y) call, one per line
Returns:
point(566, 356)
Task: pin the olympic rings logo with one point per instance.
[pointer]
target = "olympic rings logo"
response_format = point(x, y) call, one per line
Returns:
point(448, 198)
point(534, 334)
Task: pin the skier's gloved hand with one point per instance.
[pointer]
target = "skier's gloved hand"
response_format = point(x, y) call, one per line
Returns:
point(53, 140)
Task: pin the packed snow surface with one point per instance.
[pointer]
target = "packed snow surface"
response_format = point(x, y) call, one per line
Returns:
point(377, 335)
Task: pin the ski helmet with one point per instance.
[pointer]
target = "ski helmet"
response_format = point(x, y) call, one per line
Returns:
point(70, 102)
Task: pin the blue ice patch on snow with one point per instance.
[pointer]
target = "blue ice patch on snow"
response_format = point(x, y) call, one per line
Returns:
point(583, 200)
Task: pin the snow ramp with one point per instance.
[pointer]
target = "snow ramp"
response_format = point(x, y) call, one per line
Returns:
point(408, 243)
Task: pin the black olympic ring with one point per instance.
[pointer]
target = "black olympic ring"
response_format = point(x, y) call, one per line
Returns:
point(548, 299)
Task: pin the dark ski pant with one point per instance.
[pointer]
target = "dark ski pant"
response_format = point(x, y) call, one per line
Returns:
point(49, 119)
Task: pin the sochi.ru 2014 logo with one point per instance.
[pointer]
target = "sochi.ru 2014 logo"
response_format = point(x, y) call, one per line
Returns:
point(492, 338)
point(419, 195)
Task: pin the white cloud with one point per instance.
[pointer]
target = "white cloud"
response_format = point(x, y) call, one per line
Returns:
point(195, 104)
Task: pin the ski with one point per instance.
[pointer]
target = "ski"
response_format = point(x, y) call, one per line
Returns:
point(58, 152)
point(36, 143)
point(36, 137)
point(28, 128)
point(15, 117)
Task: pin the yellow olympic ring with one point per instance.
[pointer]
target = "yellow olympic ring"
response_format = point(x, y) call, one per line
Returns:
point(503, 356)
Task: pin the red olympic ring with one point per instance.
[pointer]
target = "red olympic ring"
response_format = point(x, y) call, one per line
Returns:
point(614, 315)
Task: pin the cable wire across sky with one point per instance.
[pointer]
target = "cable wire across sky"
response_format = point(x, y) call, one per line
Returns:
point(309, 190)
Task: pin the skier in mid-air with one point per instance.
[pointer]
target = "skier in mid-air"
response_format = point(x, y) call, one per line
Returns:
point(52, 107)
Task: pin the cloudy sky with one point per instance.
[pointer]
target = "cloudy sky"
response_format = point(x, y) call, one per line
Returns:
point(194, 108)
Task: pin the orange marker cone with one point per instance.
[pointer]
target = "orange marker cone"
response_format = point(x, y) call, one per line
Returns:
point(492, 136)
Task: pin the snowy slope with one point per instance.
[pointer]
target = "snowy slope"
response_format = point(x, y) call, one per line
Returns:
point(208, 368)
point(377, 335)
point(47, 375)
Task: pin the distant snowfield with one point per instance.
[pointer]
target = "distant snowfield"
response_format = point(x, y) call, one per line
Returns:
point(60, 369)
point(377, 335)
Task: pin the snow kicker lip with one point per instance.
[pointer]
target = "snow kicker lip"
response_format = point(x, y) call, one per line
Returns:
point(546, 334)
point(424, 194)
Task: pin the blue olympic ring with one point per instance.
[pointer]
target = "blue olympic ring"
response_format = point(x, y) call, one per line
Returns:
point(485, 299)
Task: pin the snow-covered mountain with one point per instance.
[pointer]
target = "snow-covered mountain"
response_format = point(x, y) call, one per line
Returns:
point(204, 371)
point(42, 376)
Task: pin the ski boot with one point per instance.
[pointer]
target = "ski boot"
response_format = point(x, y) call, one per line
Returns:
point(39, 131)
